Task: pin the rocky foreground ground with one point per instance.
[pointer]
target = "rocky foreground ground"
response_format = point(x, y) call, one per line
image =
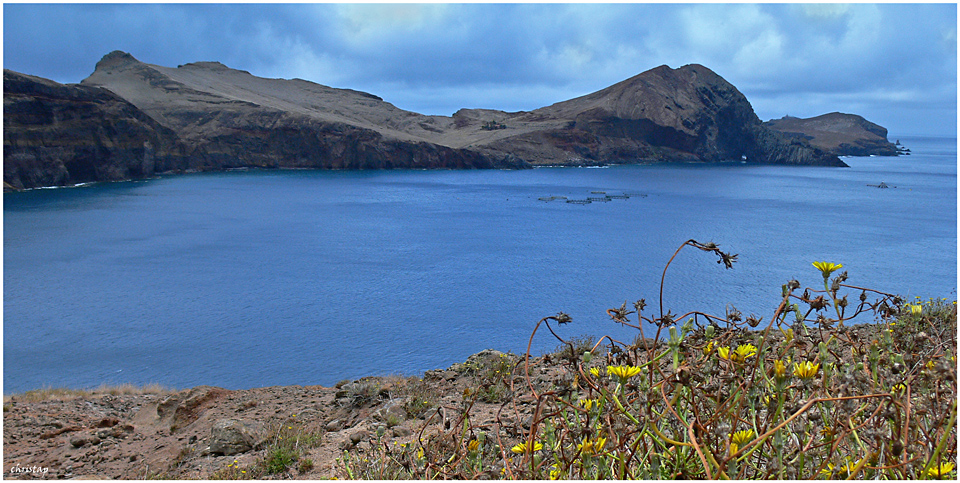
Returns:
point(197, 432)
point(214, 433)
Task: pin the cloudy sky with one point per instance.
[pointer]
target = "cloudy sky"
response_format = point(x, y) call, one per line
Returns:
point(894, 64)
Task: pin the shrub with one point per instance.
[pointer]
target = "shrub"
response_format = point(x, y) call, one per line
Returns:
point(807, 396)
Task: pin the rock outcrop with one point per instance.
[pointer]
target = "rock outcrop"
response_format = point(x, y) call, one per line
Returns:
point(839, 134)
point(58, 135)
point(130, 119)
point(687, 114)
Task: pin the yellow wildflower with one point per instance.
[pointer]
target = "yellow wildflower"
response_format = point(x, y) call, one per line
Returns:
point(419, 453)
point(805, 370)
point(898, 388)
point(741, 438)
point(915, 308)
point(826, 268)
point(788, 336)
point(779, 369)
point(744, 351)
point(941, 470)
point(555, 474)
point(595, 371)
point(623, 372)
point(931, 365)
point(709, 348)
point(591, 447)
point(842, 471)
point(473, 445)
point(588, 403)
point(522, 447)
point(723, 352)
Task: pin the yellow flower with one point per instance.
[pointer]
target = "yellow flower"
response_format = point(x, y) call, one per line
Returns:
point(473, 445)
point(744, 351)
point(779, 369)
point(788, 336)
point(709, 348)
point(419, 453)
point(915, 309)
point(588, 447)
point(941, 470)
point(588, 403)
point(555, 474)
point(826, 268)
point(842, 471)
point(623, 372)
point(898, 388)
point(595, 371)
point(723, 352)
point(805, 370)
point(741, 438)
point(522, 447)
point(931, 365)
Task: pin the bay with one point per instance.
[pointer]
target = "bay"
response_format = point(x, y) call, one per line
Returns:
point(260, 278)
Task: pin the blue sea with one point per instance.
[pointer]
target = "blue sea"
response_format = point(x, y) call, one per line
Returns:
point(260, 278)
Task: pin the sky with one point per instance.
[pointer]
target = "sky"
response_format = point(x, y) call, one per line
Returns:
point(894, 64)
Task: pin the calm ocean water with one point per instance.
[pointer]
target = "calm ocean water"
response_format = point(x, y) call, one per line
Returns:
point(247, 279)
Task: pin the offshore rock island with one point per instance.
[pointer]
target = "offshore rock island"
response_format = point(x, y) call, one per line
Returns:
point(132, 120)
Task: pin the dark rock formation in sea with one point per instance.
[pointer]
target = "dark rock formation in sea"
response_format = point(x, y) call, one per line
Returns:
point(130, 119)
point(838, 133)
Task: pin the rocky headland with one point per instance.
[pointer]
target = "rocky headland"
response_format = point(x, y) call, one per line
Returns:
point(839, 134)
point(132, 120)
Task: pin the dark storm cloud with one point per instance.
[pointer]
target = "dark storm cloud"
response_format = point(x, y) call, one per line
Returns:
point(894, 64)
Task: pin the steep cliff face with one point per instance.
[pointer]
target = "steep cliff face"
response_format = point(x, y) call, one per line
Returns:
point(57, 135)
point(839, 134)
point(130, 119)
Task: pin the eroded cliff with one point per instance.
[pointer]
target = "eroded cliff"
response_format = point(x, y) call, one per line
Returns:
point(130, 119)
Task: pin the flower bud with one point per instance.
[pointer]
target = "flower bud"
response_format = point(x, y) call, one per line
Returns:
point(587, 357)
point(710, 331)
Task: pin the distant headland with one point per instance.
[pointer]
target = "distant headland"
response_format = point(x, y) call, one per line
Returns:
point(131, 120)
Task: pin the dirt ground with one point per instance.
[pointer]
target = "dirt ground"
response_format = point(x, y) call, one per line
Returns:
point(104, 436)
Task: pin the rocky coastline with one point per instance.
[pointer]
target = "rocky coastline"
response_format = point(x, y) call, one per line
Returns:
point(132, 120)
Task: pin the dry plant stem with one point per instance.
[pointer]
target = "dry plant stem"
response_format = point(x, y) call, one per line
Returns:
point(943, 441)
point(663, 277)
point(802, 410)
point(693, 438)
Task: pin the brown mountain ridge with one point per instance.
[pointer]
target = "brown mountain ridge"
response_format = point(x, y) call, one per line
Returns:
point(132, 120)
